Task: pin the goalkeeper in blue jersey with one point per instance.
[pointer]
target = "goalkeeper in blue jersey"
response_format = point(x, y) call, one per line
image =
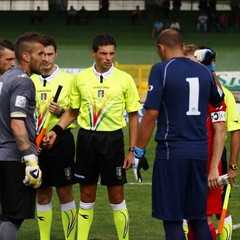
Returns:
point(178, 96)
point(20, 174)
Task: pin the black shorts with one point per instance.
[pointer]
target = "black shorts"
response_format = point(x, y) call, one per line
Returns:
point(57, 164)
point(18, 201)
point(100, 153)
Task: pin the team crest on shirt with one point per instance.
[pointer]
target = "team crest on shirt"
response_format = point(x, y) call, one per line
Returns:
point(100, 93)
point(20, 101)
point(43, 96)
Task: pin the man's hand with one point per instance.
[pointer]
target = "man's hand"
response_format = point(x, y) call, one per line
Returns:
point(33, 174)
point(139, 161)
point(49, 139)
point(205, 56)
point(137, 165)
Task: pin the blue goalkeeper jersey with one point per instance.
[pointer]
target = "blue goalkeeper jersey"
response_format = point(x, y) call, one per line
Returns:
point(180, 89)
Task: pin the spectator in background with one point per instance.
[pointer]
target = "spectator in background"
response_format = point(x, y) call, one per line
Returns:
point(237, 23)
point(158, 26)
point(212, 5)
point(136, 14)
point(213, 22)
point(223, 21)
point(176, 7)
point(83, 16)
point(37, 16)
point(175, 25)
point(202, 22)
point(166, 8)
point(104, 8)
point(72, 15)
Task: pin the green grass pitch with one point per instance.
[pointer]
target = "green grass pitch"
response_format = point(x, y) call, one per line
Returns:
point(134, 46)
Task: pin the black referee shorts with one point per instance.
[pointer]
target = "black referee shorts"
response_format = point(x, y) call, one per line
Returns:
point(57, 164)
point(100, 154)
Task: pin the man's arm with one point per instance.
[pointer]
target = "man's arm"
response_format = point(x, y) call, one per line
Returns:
point(20, 133)
point(234, 153)
point(133, 132)
point(67, 118)
point(219, 129)
point(146, 127)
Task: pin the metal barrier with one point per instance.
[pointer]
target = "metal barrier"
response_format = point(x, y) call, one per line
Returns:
point(140, 75)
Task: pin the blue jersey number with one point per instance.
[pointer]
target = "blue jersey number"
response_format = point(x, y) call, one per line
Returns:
point(193, 96)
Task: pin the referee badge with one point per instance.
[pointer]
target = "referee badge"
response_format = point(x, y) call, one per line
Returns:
point(68, 173)
point(100, 93)
point(119, 172)
point(43, 96)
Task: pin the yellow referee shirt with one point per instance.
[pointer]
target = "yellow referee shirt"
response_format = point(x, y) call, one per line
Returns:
point(232, 116)
point(102, 102)
point(45, 93)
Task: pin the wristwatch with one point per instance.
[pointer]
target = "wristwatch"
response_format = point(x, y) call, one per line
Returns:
point(233, 166)
point(131, 149)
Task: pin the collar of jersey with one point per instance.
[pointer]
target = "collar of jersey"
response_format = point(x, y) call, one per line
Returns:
point(105, 75)
point(52, 76)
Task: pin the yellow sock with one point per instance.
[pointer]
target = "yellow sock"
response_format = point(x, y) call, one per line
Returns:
point(44, 215)
point(85, 218)
point(227, 229)
point(69, 220)
point(185, 228)
point(121, 220)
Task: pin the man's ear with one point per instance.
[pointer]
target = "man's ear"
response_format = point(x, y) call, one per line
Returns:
point(26, 57)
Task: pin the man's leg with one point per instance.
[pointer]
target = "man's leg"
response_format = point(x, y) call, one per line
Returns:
point(9, 229)
point(69, 212)
point(174, 230)
point(201, 229)
point(120, 212)
point(85, 213)
point(44, 212)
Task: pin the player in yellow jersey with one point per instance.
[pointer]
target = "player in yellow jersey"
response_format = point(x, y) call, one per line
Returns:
point(57, 164)
point(99, 96)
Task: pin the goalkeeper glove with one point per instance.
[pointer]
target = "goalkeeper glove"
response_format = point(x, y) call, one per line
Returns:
point(205, 56)
point(139, 161)
point(33, 174)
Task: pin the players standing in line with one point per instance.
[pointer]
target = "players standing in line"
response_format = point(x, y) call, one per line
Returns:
point(178, 96)
point(57, 164)
point(231, 168)
point(233, 126)
point(216, 128)
point(19, 171)
point(98, 98)
point(7, 55)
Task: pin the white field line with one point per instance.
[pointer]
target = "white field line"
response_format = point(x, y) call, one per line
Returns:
point(235, 226)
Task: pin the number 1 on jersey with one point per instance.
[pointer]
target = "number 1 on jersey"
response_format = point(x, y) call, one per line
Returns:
point(193, 96)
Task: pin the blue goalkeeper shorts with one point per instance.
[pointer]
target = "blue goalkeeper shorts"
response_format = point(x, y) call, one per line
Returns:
point(179, 189)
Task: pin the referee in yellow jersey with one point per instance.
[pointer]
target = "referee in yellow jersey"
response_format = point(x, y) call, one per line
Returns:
point(57, 164)
point(99, 96)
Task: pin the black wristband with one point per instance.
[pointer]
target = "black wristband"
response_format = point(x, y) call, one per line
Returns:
point(26, 152)
point(58, 130)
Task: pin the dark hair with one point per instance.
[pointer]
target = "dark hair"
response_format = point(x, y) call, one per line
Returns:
point(4, 43)
point(24, 43)
point(102, 40)
point(49, 41)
